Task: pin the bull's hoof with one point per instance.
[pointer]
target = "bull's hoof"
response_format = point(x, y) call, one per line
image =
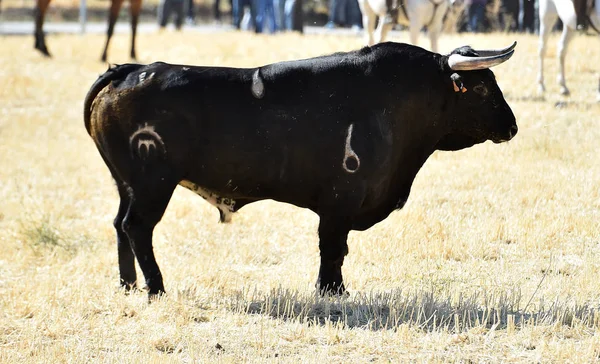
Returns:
point(103, 58)
point(334, 289)
point(564, 91)
point(152, 297)
point(129, 286)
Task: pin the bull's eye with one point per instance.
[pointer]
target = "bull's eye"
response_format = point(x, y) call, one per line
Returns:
point(481, 90)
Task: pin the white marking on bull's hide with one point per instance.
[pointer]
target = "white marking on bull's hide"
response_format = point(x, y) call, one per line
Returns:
point(186, 68)
point(258, 87)
point(147, 143)
point(225, 205)
point(142, 77)
point(148, 137)
point(349, 154)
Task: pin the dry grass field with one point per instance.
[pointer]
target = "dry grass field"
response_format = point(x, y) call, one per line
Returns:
point(495, 257)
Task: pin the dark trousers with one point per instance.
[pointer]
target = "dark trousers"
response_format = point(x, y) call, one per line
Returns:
point(345, 12)
point(189, 9)
point(165, 8)
point(526, 15)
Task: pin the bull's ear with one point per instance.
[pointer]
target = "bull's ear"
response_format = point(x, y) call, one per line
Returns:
point(457, 83)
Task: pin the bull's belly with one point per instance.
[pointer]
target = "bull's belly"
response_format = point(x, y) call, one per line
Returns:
point(225, 205)
point(228, 202)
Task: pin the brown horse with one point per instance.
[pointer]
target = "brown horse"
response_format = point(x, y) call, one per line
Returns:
point(115, 6)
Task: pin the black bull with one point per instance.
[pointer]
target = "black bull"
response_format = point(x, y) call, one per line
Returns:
point(343, 135)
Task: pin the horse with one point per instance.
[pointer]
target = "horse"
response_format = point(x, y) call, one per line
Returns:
point(550, 10)
point(413, 13)
point(113, 14)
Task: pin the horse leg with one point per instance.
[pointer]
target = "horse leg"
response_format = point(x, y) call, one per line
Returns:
point(136, 7)
point(382, 30)
point(436, 28)
point(40, 39)
point(113, 14)
point(563, 45)
point(368, 20)
point(547, 18)
point(415, 28)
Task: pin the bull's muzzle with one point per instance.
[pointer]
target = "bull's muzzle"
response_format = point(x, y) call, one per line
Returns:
point(512, 131)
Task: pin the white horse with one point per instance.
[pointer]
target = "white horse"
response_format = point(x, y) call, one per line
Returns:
point(413, 13)
point(549, 11)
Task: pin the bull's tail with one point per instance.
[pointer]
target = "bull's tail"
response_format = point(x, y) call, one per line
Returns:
point(118, 72)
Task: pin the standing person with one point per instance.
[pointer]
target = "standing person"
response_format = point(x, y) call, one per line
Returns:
point(190, 17)
point(344, 13)
point(246, 14)
point(280, 15)
point(265, 8)
point(335, 13)
point(294, 15)
point(165, 8)
point(526, 15)
point(476, 15)
point(353, 14)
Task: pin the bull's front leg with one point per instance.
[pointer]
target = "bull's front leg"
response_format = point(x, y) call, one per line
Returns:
point(333, 236)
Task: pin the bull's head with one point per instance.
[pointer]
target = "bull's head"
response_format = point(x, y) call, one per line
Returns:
point(481, 111)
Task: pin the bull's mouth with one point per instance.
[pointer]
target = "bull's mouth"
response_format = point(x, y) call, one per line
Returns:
point(512, 131)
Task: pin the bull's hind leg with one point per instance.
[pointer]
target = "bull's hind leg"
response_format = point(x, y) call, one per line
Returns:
point(333, 236)
point(150, 195)
point(126, 257)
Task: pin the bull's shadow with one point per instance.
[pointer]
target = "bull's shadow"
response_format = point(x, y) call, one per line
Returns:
point(427, 310)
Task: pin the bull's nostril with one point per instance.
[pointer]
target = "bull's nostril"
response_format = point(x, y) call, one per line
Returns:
point(513, 131)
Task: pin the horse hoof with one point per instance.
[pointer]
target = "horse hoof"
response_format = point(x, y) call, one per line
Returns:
point(43, 50)
point(541, 89)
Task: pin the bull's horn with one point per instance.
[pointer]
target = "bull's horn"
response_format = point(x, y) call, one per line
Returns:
point(464, 63)
point(495, 52)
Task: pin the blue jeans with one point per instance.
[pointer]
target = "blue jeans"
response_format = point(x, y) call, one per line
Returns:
point(265, 8)
point(279, 6)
